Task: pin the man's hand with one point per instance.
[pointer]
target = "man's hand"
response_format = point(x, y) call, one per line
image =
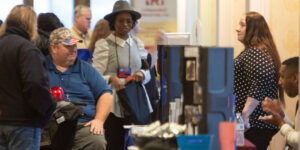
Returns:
point(273, 108)
point(96, 126)
point(274, 119)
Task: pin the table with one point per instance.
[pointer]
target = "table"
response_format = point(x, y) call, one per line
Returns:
point(247, 146)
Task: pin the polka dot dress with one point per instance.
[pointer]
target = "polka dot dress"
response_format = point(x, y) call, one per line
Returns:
point(254, 76)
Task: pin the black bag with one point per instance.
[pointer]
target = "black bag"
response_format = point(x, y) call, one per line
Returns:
point(151, 86)
point(134, 101)
point(63, 125)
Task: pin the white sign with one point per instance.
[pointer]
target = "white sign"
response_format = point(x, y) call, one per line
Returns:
point(157, 10)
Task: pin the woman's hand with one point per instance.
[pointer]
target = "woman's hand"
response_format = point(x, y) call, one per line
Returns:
point(138, 76)
point(117, 83)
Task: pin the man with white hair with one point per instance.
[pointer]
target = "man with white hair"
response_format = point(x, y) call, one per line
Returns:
point(80, 29)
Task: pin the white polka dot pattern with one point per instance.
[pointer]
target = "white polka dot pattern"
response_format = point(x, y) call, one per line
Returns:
point(254, 76)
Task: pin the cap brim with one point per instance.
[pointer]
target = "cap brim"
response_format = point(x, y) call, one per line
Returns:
point(71, 41)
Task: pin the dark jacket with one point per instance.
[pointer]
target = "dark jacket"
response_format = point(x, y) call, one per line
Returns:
point(42, 41)
point(25, 99)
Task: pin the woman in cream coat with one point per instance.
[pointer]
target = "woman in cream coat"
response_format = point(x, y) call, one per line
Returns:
point(117, 51)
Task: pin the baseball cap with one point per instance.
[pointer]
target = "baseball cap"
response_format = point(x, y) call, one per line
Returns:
point(63, 35)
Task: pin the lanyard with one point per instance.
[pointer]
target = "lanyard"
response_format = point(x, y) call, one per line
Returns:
point(116, 48)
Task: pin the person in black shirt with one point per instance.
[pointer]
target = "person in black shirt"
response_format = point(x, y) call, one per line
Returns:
point(47, 22)
point(25, 100)
point(256, 76)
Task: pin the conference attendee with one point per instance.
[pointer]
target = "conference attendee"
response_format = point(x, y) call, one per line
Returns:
point(289, 82)
point(80, 29)
point(26, 104)
point(256, 75)
point(151, 86)
point(100, 31)
point(159, 38)
point(80, 82)
point(47, 22)
point(117, 57)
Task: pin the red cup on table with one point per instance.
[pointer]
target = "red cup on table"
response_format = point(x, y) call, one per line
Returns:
point(227, 135)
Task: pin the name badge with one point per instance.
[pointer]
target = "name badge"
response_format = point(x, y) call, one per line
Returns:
point(124, 72)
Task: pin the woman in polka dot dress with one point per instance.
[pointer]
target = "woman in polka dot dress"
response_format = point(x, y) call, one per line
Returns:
point(256, 77)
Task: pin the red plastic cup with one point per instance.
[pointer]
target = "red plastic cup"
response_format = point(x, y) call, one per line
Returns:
point(227, 135)
point(57, 93)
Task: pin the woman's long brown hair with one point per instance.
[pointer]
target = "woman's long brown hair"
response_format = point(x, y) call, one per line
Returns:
point(101, 30)
point(258, 35)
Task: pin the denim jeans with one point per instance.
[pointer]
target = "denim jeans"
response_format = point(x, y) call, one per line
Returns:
point(19, 138)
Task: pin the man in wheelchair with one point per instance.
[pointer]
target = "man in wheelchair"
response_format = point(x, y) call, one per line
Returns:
point(80, 82)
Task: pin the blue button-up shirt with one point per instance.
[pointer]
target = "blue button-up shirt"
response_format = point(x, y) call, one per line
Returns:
point(80, 82)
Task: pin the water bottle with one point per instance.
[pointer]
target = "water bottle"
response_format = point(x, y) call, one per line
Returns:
point(239, 127)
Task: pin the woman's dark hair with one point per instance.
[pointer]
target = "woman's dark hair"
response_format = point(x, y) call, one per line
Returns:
point(113, 20)
point(258, 35)
point(48, 22)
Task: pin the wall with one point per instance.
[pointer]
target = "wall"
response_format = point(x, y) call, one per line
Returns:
point(285, 26)
point(207, 16)
point(285, 29)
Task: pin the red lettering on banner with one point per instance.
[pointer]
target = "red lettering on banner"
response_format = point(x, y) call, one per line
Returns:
point(150, 2)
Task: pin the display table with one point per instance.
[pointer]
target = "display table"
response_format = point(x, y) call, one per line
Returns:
point(248, 146)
